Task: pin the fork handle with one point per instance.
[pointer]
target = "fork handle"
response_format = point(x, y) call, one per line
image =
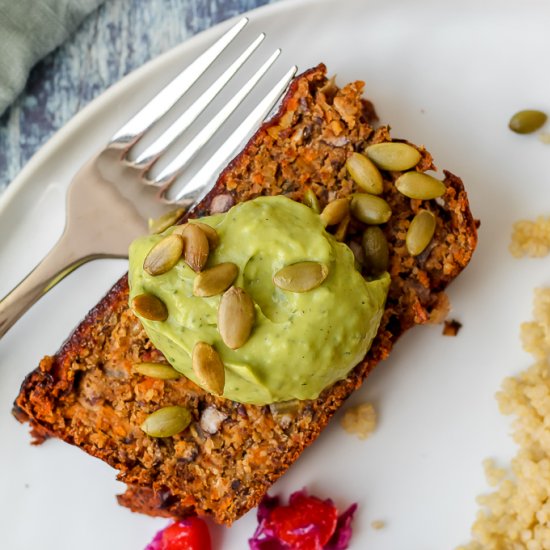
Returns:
point(61, 260)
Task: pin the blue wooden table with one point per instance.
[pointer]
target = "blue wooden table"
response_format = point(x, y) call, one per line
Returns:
point(113, 41)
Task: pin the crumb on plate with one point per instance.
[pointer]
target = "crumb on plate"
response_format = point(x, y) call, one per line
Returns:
point(451, 327)
point(360, 420)
point(378, 524)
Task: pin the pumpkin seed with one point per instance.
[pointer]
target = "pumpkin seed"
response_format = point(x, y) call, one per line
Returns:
point(164, 255)
point(365, 173)
point(334, 212)
point(375, 247)
point(420, 232)
point(285, 407)
point(208, 367)
point(301, 277)
point(210, 232)
point(359, 255)
point(158, 225)
point(157, 370)
point(150, 307)
point(370, 209)
point(525, 122)
point(393, 155)
point(235, 317)
point(196, 246)
point(215, 280)
point(417, 185)
point(167, 421)
point(341, 231)
point(311, 200)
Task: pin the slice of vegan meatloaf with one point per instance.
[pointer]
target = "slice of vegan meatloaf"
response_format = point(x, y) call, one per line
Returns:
point(88, 394)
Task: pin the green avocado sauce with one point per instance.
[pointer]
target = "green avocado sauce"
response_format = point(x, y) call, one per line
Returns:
point(301, 343)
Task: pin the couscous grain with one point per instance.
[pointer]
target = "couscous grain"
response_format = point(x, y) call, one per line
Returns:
point(531, 238)
point(516, 516)
point(360, 420)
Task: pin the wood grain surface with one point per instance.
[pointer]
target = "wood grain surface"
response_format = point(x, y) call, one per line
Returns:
point(119, 37)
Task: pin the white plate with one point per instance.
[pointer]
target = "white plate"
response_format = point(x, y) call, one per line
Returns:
point(446, 74)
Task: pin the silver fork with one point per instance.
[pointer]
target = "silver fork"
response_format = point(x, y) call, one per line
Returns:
point(111, 198)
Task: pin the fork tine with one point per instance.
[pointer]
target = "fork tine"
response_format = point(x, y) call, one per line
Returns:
point(183, 158)
point(189, 116)
point(201, 183)
point(169, 95)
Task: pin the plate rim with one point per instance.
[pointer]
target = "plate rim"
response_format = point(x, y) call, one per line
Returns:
point(60, 137)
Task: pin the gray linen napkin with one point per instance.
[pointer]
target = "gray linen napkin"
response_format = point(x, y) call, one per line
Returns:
point(29, 29)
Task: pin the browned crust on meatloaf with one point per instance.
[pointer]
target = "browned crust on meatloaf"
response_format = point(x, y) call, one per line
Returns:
point(88, 394)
